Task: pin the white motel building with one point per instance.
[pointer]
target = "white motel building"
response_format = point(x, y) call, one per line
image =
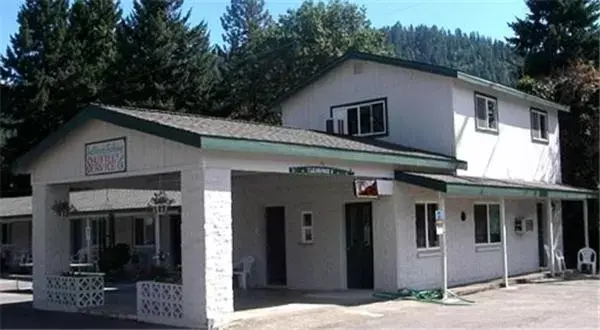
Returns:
point(342, 196)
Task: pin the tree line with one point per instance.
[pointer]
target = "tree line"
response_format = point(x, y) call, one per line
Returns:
point(66, 54)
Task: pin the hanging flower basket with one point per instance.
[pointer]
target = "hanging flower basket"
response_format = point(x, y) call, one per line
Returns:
point(63, 208)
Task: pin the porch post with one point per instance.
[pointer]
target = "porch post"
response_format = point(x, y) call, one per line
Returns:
point(549, 216)
point(206, 242)
point(504, 243)
point(443, 247)
point(51, 243)
point(88, 238)
point(586, 232)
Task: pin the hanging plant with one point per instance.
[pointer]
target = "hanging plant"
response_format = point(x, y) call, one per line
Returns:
point(63, 208)
point(160, 202)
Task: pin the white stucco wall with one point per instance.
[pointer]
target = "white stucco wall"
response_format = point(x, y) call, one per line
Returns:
point(146, 154)
point(419, 104)
point(321, 265)
point(511, 154)
point(422, 269)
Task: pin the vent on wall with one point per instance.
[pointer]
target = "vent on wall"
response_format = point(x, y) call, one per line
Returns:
point(358, 68)
point(334, 126)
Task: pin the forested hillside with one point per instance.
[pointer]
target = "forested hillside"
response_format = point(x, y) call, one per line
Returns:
point(471, 53)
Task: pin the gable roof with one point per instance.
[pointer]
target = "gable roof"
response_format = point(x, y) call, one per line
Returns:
point(229, 135)
point(423, 67)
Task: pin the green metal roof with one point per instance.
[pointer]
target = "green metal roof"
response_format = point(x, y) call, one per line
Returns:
point(423, 67)
point(477, 186)
point(229, 135)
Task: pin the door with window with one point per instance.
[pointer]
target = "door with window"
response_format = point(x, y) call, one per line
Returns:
point(359, 245)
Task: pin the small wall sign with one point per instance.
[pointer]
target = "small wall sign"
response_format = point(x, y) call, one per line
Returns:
point(366, 188)
point(105, 157)
point(321, 170)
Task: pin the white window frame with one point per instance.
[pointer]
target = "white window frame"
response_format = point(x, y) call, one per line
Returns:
point(304, 228)
point(542, 115)
point(427, 245)
point(341, 112)
point(487, 215)
point(487, 127)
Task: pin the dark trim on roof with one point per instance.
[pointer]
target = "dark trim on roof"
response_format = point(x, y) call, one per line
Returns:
point(463, 189)
point(193, 139)
point(353, 55)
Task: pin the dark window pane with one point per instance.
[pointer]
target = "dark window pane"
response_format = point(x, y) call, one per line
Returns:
point(543, 126)
point(5, 233)
point(365, 120)
point(494, 211)
point(352, 121)
point(308, 237)
point(420, 225)
point(329, 125)
point(378, 118)
point(433, 237)
point(480, 217)
point(492, 120)
point(307, 221)
point(139, 231)
point(481, 112)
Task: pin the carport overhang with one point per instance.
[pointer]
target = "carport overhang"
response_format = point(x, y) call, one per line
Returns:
point(223, 143)
point(454, 185)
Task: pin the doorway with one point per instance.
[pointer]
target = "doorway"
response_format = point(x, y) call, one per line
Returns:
point(276, 263)
point(539, 210)
point(359, 245)
point(175, 225)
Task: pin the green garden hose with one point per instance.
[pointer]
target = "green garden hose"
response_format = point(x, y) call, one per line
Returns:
point(431, 296)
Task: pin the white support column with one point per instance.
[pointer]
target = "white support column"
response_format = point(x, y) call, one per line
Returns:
point(443, 246)
point(206, 241)
point(504, 243)
point(550, 221)
point(51, 238)
point(586, 228)
point(157, 238)
point(88, 239)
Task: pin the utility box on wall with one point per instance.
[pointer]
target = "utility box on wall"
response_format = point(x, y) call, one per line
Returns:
point(523, 225)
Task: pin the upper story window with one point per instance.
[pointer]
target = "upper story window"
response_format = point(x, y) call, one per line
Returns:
point(486, 113)
point(368, 118)
point(539, 125)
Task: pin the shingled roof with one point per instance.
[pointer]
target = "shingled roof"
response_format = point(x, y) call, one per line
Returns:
point(216, 133)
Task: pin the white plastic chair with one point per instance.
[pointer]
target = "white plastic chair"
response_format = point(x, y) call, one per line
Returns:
point(560, 260)
point(586, 256)
point(243, 269)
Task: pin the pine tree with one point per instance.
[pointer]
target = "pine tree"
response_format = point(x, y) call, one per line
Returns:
point(162, 62)
point(556, 32)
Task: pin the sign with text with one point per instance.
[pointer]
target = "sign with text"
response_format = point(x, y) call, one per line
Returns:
point(320, 170)
point(366, 188)
point(105, 157)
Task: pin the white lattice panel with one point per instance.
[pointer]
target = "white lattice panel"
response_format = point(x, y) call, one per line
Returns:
point(160, 302)
point(74, 292)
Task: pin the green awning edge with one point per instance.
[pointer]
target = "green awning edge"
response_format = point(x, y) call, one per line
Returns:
point(493, 191)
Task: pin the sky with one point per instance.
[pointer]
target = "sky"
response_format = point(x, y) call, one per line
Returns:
point(488, 17)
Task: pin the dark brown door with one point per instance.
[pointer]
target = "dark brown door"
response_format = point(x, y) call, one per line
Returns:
point(276, 263)
point(359, 245)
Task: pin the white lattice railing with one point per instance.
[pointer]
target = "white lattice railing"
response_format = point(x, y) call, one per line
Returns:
point(70, 293)
point(160, 303)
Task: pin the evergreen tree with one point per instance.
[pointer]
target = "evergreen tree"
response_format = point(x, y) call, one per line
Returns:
point(556, 32)
point(162, 62)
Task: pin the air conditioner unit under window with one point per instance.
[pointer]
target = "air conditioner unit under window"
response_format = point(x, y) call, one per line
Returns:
point(335, 126)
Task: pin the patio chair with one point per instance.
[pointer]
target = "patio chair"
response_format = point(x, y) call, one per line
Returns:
point(586, 256)
point(243, 269)
point(560, 259)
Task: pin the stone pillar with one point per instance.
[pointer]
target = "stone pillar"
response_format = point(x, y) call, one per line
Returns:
point(50, 238)
point(206, 246)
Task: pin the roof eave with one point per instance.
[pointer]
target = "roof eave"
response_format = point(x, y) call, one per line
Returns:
point(510, 91)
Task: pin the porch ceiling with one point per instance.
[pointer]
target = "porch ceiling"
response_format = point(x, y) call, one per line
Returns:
point(477, 186)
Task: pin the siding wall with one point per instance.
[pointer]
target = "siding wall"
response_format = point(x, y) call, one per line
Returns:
point(419, 104)
point(511, 154)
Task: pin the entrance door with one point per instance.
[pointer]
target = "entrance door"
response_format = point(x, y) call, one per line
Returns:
point(539, 208)
point(359, 245)
point(176, 238)
point(276, 264)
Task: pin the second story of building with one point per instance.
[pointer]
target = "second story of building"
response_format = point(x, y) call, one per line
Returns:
point(499, 131)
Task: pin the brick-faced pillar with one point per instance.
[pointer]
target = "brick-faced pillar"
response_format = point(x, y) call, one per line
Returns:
point(51, 237)
point(206, 246)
